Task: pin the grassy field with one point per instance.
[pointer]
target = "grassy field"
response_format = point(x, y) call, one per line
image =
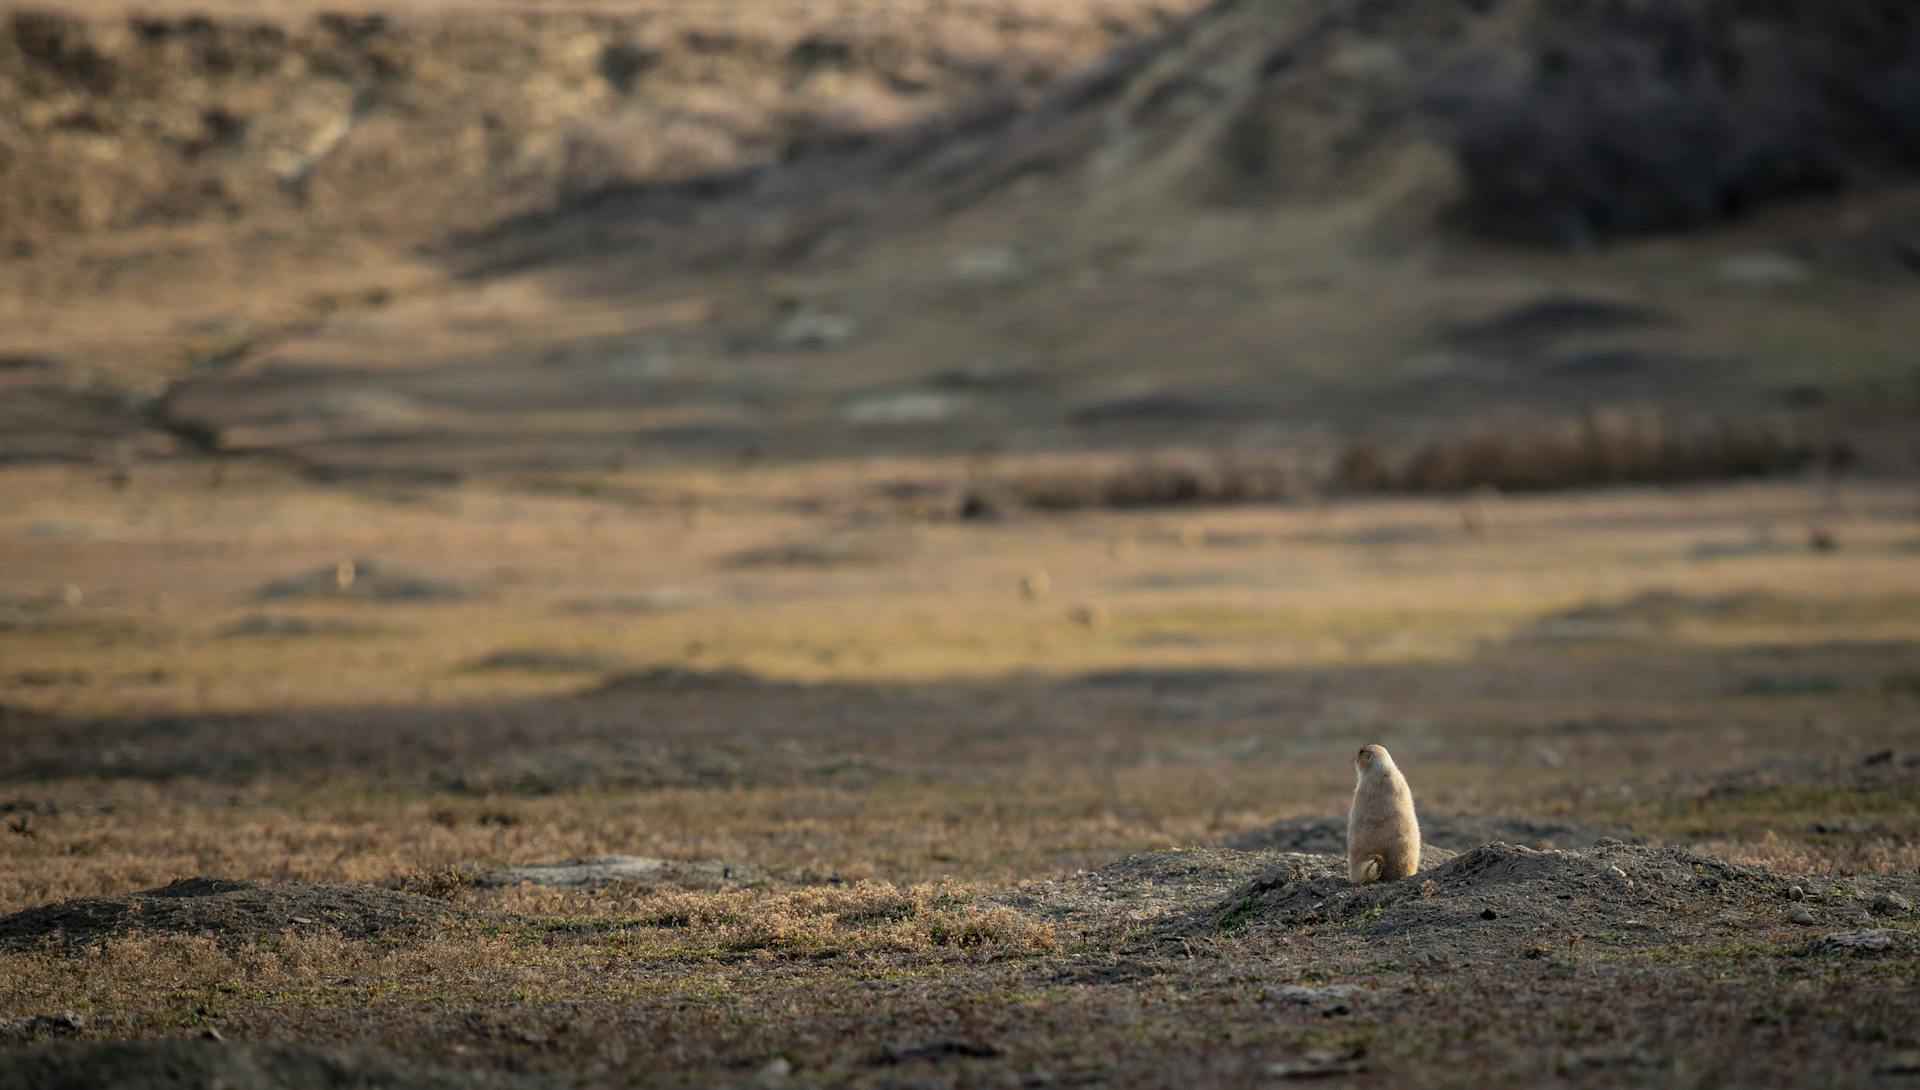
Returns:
point(880, 753)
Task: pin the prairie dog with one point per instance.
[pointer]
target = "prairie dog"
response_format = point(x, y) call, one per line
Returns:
point(1383, 838)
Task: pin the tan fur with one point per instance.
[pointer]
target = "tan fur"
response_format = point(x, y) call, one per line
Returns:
point(1383, 837)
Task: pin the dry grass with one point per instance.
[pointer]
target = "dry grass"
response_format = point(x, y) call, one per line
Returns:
point(901, 737)
point(1605, 446)
point(1601, 447)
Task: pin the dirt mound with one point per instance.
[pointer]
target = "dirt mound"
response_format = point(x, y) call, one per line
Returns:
point(1497, 893)
point(1153, 886)
point(127, 1065)
point(226, 909)
point(1456, 832)
point(1492, 897)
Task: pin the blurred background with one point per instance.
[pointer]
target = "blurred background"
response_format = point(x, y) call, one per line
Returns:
point(1122, 406)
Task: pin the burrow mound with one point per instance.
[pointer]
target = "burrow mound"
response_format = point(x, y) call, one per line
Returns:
point(1498, 893)
point(1453, 832)
point(226, 909)
point(113, 1065)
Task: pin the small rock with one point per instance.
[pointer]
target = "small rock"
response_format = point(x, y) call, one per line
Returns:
point(778, 1069)
point(1319, 1065)
point(1089, 616)
point(1891, 904)
point(807, 329)
point(1333, 999)
point(903, 409)
point(989, 265)
point(976, 505)
point(56, 1024)
point(624, 869)
point(1489, 914)
point(1795, 893)
point(935, 1051)
point(1869, 940)
point(1799, 914)
point(1900, 1063)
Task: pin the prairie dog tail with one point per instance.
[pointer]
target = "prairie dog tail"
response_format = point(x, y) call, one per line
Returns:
point(1368, 869)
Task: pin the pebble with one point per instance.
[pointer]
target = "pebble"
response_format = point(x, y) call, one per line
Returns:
point(1795, 893)
point(1799, 914)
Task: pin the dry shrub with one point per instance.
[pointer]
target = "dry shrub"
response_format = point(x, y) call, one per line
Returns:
point(1603, 446)
point(995, 927)
point(1156, 482)
point(1600, 447)
point(446, 883)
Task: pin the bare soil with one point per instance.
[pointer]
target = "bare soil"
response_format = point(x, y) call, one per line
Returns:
point(126, 1065)
point(233, 911)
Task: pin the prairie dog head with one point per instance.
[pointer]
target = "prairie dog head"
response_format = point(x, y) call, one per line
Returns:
point(1373, 760)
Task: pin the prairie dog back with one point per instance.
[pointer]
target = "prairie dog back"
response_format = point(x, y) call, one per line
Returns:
point(1383, 836)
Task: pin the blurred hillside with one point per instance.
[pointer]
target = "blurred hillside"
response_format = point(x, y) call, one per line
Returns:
point(433, 119)
point(1344, 242)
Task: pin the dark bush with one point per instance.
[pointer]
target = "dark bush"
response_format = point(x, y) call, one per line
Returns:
point(1600, 447)
point(1631, 116)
